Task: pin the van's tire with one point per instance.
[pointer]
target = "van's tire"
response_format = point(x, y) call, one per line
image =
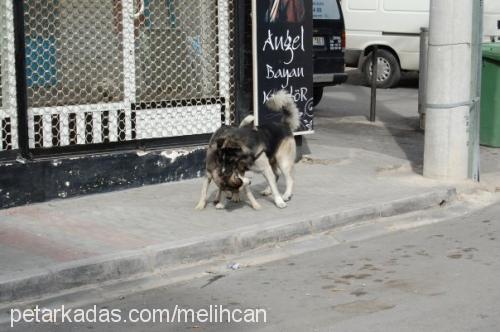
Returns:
point(389, 69)
point(317, 94)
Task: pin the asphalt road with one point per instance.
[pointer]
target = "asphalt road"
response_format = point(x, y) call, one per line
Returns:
point(441, 277)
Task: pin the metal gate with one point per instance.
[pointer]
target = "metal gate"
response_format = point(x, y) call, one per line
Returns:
point(8, 108)
point(101, 71)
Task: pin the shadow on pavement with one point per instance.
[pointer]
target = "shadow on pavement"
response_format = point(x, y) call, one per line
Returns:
point(344, 112)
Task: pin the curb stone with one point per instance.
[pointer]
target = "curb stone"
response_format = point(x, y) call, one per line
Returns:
point(40, 282)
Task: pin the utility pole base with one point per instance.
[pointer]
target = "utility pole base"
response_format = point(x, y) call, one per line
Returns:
point(446, 143)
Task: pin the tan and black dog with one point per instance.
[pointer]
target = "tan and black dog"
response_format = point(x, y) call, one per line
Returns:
point(227, 177)
point(268, 149)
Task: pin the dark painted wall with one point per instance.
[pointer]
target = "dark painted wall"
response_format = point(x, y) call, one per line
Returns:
point(42, 180)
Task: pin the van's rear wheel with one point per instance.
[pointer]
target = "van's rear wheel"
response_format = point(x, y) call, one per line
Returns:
point(388, 69)
point(317, 94)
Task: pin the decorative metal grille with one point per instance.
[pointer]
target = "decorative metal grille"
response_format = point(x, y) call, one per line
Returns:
point(8, 109)
point(115, 70)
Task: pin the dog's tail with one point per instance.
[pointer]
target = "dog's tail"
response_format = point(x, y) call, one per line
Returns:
point(248, 120)
point(282, 101)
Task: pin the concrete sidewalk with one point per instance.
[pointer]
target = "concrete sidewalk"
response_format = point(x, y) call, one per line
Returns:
point(49, 247)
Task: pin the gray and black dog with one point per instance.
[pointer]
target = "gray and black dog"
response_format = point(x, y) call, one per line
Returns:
point(227, 177)
point(268, 149)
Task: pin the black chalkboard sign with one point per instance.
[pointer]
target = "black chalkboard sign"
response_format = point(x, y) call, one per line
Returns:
point(283, 56)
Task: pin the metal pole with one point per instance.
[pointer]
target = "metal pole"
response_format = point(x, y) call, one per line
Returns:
point(241, 96)
point(21, 85)
point(255, 75)
point(373, 105)
point(474, 126)
point(422, 80)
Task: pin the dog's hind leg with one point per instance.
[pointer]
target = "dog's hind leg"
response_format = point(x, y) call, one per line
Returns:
point(271, 179)
point(251, 198)
point(288, 171)
point(267, 191)
point(204, 193)
point(286, 162)
point(262, 165)
point(268, 173)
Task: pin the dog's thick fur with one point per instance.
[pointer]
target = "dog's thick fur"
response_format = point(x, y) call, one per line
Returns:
point(268, 149)
point(227, 177)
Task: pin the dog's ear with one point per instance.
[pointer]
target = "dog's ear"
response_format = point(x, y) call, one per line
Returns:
point(231, 144)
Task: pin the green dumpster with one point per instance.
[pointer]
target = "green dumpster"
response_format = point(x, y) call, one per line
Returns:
point(490, 96)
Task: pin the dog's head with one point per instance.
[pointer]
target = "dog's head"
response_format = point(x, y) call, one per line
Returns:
point(234, 156)
point(231, 168)
point(233, 182)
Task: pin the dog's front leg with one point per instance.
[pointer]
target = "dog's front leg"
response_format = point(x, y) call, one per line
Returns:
point(204, 192)
point(228, 196)
point(218, 196)
point(222, 201)
point(271, 179)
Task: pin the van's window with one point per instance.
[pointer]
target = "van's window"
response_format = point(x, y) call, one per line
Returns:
point(325, 10)
point(362, 4)
point(407, 5)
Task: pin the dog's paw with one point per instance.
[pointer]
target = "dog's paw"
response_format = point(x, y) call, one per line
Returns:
point(200, 206)
point(266, 192)
point(287, 197)
point(220, 206)
point(281, 204)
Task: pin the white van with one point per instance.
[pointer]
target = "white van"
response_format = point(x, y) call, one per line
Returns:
point(394, 25)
